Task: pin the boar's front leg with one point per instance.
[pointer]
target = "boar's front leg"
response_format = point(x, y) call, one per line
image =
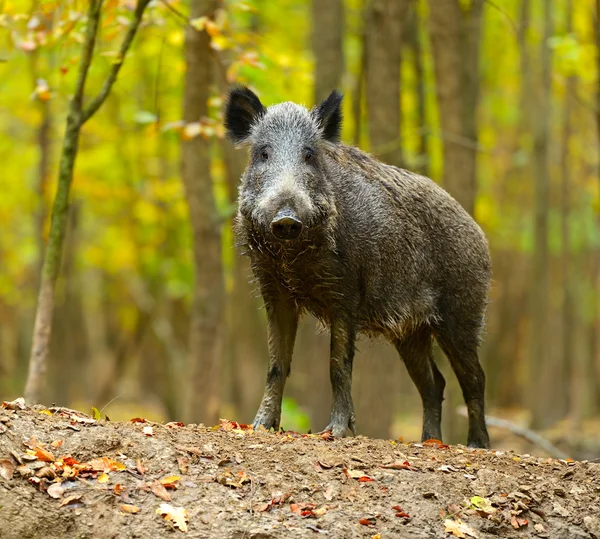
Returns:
point(282, 323)
point(342, 355)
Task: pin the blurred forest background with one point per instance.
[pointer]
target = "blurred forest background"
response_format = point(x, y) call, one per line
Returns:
point(154, 314)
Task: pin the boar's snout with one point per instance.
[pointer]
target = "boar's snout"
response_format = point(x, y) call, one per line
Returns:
point(286, 225)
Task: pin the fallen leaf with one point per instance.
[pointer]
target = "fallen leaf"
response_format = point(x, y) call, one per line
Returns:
point(103, 478)
point(328, 494)
point(482, 505)
point(44, 455)
point(140, 467)
point(47, 471)
point(118, 489)
point(96, 413)
point(172, 424)
point(160, 491)
point(320, 511)
point(70, 461)
point(56, 490)
point(137, 420)
point(294, 508)
point(226, 424)
point(7, 469)
point(278, 499)
point(170, 481)
point(183, 463)
point(454, 509)
point(226, 478)
point(447, 468)
point(45, 412)
point(176, 515)
point(370, 521)
point(17, 404)
point(399, 466)
point(376, 536)
point(57, 443)
point(357, 474)
point(458, 528)
point(104, 464)
point(517, 522)
point(71, 500)
point(400, 512)
point(438, 444)
point(128, 508)
point(264, 507)
point(148, 431)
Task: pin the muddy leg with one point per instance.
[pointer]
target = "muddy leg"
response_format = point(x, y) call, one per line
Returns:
point(415, 351)
point(340, 371)
point(282, 322)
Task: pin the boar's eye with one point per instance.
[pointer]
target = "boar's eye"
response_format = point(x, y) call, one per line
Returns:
point(309, 155)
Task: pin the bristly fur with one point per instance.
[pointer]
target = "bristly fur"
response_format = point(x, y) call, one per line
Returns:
point(382, 251)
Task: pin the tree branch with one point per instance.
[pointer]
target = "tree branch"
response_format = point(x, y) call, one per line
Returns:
point(93, 20)
point(97, 101)
point(529, 435)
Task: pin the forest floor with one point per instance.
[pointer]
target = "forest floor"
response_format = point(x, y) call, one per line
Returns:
point(65, 474)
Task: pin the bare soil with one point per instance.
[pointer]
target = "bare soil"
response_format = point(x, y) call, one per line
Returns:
point(63, 474)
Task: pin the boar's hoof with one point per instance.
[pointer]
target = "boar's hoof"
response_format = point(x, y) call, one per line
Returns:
point(266, 418)
point(339, 426)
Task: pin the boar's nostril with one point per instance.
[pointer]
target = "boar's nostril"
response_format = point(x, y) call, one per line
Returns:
point(286, 226)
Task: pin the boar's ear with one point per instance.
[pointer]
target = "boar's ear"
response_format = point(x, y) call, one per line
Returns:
point(243, 109)
point(329, 116)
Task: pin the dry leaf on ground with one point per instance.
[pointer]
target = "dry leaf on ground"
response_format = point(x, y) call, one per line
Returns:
point(357, 474)
point(7, 469)
point(178, 516)
point(458, 528)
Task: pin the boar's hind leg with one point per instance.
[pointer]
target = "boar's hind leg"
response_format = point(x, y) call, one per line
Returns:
point(282, 323)
point(415, 351)
point(460, 346)
point(340, 371)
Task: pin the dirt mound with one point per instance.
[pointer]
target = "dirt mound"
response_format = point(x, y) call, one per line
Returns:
point(64, 474)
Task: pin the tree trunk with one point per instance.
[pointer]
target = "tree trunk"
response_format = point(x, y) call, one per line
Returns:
point(540, 375)
point(455, 35)
point(327, 45)
point(76, 117)
point(595, 329)
point(203, 398)
point(569, 370)
point(414, 28)
point(384, 45)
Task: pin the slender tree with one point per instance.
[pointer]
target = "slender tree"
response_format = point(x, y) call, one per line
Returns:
point(203, 399)
point(327, 46)
point(455, 35)
point(384, 45)
point(415, 39)
point(539, 373)
point(569, 370)
point(77, 116)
